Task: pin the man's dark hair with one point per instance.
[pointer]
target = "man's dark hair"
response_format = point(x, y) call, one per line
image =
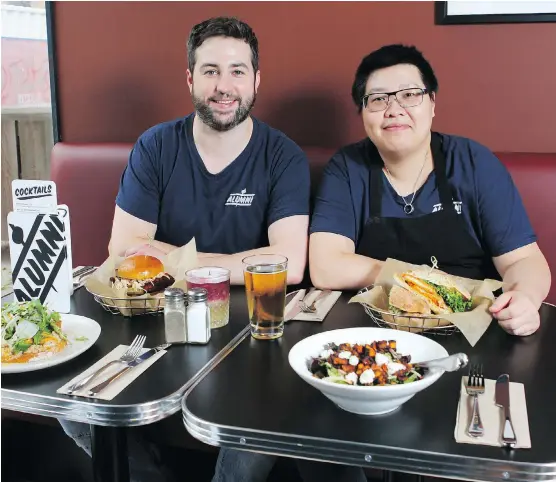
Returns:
point(222, 27)
point(389, 56)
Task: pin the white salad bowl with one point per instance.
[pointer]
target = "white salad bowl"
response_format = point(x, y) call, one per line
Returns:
point(367, 400)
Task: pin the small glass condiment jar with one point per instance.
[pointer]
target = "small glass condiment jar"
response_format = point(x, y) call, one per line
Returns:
point(175, 316)
point(198, 316)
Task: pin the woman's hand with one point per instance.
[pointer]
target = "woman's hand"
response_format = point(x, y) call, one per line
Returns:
point(516, 313)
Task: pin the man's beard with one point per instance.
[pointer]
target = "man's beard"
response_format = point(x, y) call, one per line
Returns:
point(208, 117)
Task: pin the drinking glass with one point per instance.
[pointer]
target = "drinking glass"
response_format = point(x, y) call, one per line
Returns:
point(265, 286)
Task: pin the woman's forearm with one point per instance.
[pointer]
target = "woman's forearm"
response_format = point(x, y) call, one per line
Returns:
point(530, 275)
point(343, 271)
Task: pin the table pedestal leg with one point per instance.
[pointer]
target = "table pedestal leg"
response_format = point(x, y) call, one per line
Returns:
point(387, 476)
point(110, 457)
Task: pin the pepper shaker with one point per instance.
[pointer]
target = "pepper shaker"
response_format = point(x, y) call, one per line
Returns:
point(175, 316)
point(198, 316)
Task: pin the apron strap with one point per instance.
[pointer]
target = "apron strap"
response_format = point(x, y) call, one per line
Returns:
point(439, 159)
point(375, 175)
point(375, 181)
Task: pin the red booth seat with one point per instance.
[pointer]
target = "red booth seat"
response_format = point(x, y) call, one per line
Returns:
point(88, 175)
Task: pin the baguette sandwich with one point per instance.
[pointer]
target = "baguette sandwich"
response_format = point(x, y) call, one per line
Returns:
point(442, 293)
point(402, 301)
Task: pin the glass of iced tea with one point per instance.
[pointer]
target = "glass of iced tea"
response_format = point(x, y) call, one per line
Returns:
point(265, 287)
point(216, 281)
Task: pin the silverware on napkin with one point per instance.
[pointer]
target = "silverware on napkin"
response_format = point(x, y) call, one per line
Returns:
point(137, 361)
point(502, 398)
point(129, 355)
point(474, 387)
point(312, 308)
point(298, 307)
point(301, 305)
point(81, 274)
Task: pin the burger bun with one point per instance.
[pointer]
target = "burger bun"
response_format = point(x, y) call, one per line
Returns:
point(140, 267)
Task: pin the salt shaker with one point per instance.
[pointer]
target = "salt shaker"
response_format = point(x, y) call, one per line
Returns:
point(198, 316)
point(175, 318)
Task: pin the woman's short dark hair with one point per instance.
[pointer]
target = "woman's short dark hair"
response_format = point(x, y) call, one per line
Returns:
point(222, 27)
point(389, 56)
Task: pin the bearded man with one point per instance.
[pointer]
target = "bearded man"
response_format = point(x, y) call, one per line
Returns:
point(234, 183)
point(237, 185)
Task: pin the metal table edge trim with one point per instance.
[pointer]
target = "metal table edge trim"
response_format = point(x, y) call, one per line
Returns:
point(356, 453)
point(110, 414)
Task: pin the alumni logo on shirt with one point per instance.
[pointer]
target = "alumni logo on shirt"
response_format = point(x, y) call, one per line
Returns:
point(240, 199)
point(438, 207)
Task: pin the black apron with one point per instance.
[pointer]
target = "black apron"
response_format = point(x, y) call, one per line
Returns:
point(442, 234)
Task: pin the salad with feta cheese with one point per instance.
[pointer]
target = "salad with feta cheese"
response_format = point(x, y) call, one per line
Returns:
point(30, 330)
point(377, 363)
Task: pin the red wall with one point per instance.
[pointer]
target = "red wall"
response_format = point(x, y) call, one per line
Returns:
point(121, 69)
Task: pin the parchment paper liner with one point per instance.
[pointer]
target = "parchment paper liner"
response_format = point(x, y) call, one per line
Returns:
point(472, 324)
point(175, 263)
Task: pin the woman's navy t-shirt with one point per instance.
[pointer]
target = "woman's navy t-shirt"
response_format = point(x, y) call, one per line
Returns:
point(483, 194)
point(166, 183)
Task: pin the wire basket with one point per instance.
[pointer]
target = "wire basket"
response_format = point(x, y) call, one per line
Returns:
point(130, 306)
point(432, 324)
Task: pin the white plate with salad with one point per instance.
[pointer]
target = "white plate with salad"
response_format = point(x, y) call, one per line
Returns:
point(380, 367)
point(34, 337)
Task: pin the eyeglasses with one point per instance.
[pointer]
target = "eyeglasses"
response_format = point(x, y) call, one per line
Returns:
point(406, 98)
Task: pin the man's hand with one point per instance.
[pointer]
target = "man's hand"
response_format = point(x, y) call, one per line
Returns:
point(516, 313)
point(146, 249)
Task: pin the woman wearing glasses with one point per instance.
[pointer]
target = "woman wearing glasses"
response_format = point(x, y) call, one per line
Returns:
point(409, 193)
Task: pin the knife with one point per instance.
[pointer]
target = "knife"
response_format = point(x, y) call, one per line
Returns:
point(137, 361)
point(502, 399)
point(296, 309)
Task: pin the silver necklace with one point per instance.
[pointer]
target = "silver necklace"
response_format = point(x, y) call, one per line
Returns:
point(408, 208)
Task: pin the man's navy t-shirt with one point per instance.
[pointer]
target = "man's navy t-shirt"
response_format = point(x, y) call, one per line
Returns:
point(483, 194)
point(166, 183)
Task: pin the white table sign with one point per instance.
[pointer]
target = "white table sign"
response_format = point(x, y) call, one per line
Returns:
point(34, 196)
point(38, 252)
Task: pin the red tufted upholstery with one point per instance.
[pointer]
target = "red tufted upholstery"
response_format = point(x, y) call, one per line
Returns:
point(535, 178)
point(87, 177)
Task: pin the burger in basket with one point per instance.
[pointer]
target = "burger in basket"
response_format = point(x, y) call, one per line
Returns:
point(141, 274)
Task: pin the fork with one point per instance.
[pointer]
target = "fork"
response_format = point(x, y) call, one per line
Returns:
point(312, 307)
point(130, 354)
point(81, 273)
point(475, 386)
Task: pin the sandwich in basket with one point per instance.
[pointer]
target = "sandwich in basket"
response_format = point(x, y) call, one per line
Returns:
point(441, 292)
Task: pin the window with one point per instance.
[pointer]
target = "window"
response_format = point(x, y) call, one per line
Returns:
point(27, 136)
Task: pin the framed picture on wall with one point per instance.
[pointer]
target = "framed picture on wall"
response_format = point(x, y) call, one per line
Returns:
point(458, 12)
